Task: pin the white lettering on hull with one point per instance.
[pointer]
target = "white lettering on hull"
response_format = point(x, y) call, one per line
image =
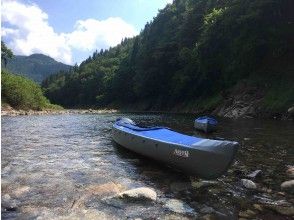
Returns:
point(181, 153)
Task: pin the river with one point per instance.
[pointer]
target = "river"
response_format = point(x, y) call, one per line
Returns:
point(64, 166)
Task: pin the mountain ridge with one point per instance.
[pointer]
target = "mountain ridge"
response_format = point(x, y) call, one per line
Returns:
point(35, 66)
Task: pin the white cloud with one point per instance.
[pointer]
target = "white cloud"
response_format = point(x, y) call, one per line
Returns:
point(91, 33)
point(27, 28)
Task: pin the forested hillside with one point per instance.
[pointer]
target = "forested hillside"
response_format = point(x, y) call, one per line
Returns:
point(36, 66)
point(194, 52)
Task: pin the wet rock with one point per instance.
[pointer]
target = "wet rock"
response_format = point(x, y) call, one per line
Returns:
point(291, 111)
point(208, 217)
point(258, 207)
point(290, 171)
point(141, 193)
point(283, 210)
point(105, 189)
point(153, 174)
point(8, 204)
point(6, 197)
point(175, 217)
point(248, 184)
point(288, 186)
point(203, 183)
point(114, 202)
point(178, 206)
point(134, 161)
point(102, 190)
point(255, 174)
point(247, 214)
point(19, 191)
point(207, 210)
point(180, 186)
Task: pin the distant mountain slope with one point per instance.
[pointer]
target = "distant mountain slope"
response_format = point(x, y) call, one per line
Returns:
point(36, 66)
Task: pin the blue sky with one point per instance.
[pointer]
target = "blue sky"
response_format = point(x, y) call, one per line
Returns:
point(69, 31)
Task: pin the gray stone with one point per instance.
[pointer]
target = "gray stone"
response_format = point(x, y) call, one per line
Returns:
point(247, 214)
point(291, 110)
point(255, 174)
point(283, 210)
point(248, 184)
point(207, 210)
point(141, 193)
point(288, 186)
point(203, 183)
point(290, 171)
point(180, 186)
point(178, 206)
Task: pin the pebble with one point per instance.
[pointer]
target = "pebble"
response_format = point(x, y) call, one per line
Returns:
point(248, 184)
point(290, 172)
point(207, 210)
point(141, 193)
point(105, 189)
point(288, 186)
point(203, 183)
point(19, 191)
point(247, 214)
point(291, 110)
point(208, 217)
point(180, 186)
point(283, 210)
point(255, 174)
point(258, 207)
point(178, 206)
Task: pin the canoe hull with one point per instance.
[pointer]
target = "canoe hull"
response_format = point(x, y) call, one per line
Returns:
point(207, 159)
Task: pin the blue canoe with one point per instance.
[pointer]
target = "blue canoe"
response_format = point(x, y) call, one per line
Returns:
point(197, 156)
point(206, 124)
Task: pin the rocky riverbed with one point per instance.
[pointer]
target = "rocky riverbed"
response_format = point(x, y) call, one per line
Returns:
point(15, 112)
point(66, 166)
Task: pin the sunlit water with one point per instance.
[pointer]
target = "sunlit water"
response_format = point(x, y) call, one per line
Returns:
point(50, 162)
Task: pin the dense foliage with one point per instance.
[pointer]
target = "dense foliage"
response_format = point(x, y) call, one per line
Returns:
point(36, 66)
point(22, 93)
point(6, 53)
point(192, 50)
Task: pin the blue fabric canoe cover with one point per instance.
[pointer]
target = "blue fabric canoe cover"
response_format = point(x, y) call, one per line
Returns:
point(160, 133)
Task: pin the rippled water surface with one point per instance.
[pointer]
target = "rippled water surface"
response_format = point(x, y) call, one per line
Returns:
point(64, 165)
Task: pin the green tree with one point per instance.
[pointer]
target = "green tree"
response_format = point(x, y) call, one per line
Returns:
point(6, 53)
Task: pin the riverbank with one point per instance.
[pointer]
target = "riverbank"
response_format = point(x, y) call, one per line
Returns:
point(8, 111)
point(232, 107)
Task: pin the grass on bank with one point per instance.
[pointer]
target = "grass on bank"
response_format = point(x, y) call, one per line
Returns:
point(22, 93)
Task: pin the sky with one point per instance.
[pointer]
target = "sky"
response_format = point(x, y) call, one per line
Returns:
point(71, 30)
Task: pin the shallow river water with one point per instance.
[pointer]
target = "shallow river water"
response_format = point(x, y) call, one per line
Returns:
point(66, 166)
